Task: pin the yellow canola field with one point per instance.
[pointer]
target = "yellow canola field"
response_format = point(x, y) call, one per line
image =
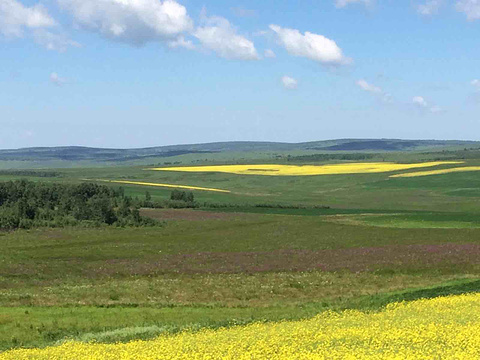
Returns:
point(437, 172)
point(298, 170)
point(442, 328)
point(167, 185)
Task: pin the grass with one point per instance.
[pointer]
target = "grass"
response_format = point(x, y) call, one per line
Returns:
point(412, 220)
point(52, 249)
point(447, 192)
point(381, 240)
point(105, 284)
point(43, 326)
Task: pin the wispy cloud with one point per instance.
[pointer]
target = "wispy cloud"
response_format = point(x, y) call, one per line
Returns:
point(421, 103)
point(471, 8)
point(375, 90)
point(268, 53)
point(289, 82)
point(364, 85)
point(430, 7)
point(181, 42)
point(242, 12)
point(344, 3)
point(57, 80)
point(54, 41)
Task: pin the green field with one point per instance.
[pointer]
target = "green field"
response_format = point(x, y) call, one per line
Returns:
point(274, 248)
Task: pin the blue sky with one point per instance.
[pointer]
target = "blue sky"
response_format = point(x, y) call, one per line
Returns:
point(135, 73)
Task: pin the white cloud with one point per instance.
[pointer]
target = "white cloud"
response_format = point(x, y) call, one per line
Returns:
point(430, 7)
point(18, 20)
point(309, 45)
point(375, 90)
point(132, 21)
point(476, 83)
point(57, 80)
point(53, 41)
point(436, 109)
point(269, 54)
point(470, 7)
point(343, 3)
point(221, 37)
point(181, 42)
point(420, 101)
point(261, 33)
point(289, 82)
point(15, 18)
point(364, 85)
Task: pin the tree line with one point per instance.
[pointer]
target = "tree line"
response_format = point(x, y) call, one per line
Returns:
point(27, 204)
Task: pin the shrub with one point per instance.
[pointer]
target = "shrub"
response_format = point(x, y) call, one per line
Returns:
point(186, 196)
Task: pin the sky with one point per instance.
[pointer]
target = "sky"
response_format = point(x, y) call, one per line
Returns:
point(139, 73)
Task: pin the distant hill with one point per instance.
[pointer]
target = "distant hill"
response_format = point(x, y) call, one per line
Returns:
point(78, 153)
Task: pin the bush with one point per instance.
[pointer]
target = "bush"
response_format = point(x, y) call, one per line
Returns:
point(186, 196)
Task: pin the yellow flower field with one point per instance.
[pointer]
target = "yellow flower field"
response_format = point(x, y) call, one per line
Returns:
point(167, 185)
point(298, 170)
point(442, 328)
point(437, 172)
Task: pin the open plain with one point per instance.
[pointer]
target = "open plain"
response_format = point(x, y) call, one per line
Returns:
point(271, 249)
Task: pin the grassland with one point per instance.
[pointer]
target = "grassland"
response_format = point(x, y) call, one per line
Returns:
point(268, 250)
point(424, 329)
point(210, 273)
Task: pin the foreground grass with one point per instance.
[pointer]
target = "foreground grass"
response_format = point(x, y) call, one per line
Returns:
point(445, 327)
point(122, 284)
point(43, 326)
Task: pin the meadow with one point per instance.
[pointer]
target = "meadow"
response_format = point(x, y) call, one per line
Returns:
point(424, 329)
point(264, 250)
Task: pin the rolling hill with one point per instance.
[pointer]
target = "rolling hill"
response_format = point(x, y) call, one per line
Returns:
point(79, 153)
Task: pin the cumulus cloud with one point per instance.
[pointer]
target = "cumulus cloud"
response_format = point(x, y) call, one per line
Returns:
point(18, 20)
point(312, 46)
point(344, 3)
point(430, 7)
point(471, 8)
point(289, 82)
point(220, 36)
point(475, 83)
point(268, 53)
point(57, 80)
point(15, 18)
point(132, 21)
